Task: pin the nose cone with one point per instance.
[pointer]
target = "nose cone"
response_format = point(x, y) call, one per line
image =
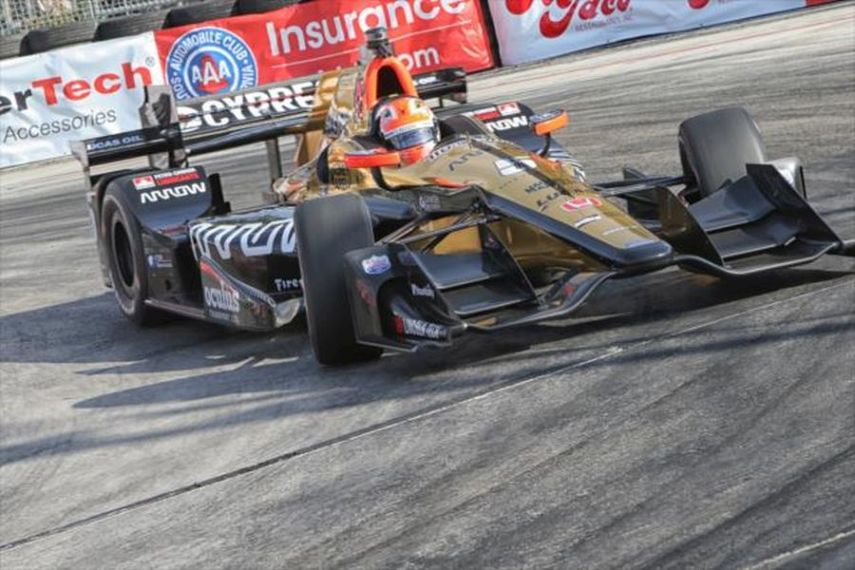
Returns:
point(619, 237)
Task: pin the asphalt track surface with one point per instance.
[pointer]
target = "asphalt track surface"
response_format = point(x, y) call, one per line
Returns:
point(679, 422)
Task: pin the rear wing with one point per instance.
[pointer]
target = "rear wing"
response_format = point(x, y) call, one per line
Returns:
point(171, 131)
point(219, 113)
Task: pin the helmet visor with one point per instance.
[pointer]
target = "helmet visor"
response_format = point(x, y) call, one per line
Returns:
point(413, 137)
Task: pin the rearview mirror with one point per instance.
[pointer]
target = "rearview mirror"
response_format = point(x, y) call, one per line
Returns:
point(546, 123)
point(371, 158)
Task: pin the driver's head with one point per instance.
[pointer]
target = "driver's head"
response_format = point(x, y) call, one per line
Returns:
point(407, 125)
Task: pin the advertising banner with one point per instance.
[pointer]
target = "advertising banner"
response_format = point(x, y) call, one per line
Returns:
point(530, 30)
point(231, 54)
point(50, 99)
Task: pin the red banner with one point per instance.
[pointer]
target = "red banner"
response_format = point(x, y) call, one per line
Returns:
point(230, 54)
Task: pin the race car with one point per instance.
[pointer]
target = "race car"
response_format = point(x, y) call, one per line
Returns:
point(405, 225)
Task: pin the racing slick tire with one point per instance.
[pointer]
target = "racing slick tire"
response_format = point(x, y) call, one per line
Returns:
point(46, 39)
point(120, 233)
point(327, 228)
point(716, 146)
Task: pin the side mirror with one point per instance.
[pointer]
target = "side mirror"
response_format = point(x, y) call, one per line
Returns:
point(371, 158)
point(545, 123)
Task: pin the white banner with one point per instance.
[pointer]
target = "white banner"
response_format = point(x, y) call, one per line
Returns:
point(530, 30)
point(48, 100)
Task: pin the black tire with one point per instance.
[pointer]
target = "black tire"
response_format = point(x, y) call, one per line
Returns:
point(715, 147)
point(198, 13)
point(120, 233)
point(327, 228)
point(130, 26)
point(10, 46)
point(261, 6)
point(46, 39)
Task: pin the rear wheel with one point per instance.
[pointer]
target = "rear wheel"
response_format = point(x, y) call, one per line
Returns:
point(327, 228)
point(716, 146)
point(120, 233)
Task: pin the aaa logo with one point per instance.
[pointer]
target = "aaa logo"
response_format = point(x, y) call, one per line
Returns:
point(207, 61)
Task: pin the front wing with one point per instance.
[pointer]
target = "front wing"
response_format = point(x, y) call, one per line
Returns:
point(404, 295)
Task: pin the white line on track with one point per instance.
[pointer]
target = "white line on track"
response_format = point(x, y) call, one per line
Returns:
point(801, 550)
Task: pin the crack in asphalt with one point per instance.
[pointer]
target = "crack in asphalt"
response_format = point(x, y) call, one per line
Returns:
point(403, 420)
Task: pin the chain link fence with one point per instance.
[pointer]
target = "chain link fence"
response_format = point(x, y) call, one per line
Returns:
point(20, 16)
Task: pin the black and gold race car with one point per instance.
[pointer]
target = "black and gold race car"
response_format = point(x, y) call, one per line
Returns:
point(493, 226)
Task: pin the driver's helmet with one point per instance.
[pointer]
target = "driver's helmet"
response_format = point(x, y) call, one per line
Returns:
point(406, 124)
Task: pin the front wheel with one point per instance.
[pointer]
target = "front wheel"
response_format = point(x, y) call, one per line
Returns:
point(327, 228)
point(716, 146)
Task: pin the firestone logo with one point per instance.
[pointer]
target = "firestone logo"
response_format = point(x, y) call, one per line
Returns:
point(206, 61)
point(583, 9)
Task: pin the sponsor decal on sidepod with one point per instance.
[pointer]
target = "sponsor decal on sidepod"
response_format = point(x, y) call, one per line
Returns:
point(222, 298)
point(172, 192)
point(254, 239)
point(406, 326)
point(144, 182)
point(426, 291)
point(284, 285)
point(376, 264)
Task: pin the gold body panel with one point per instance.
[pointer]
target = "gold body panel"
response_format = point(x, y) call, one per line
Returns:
point(494, 164)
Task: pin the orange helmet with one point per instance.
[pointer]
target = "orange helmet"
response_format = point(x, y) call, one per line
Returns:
point(407, 125)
